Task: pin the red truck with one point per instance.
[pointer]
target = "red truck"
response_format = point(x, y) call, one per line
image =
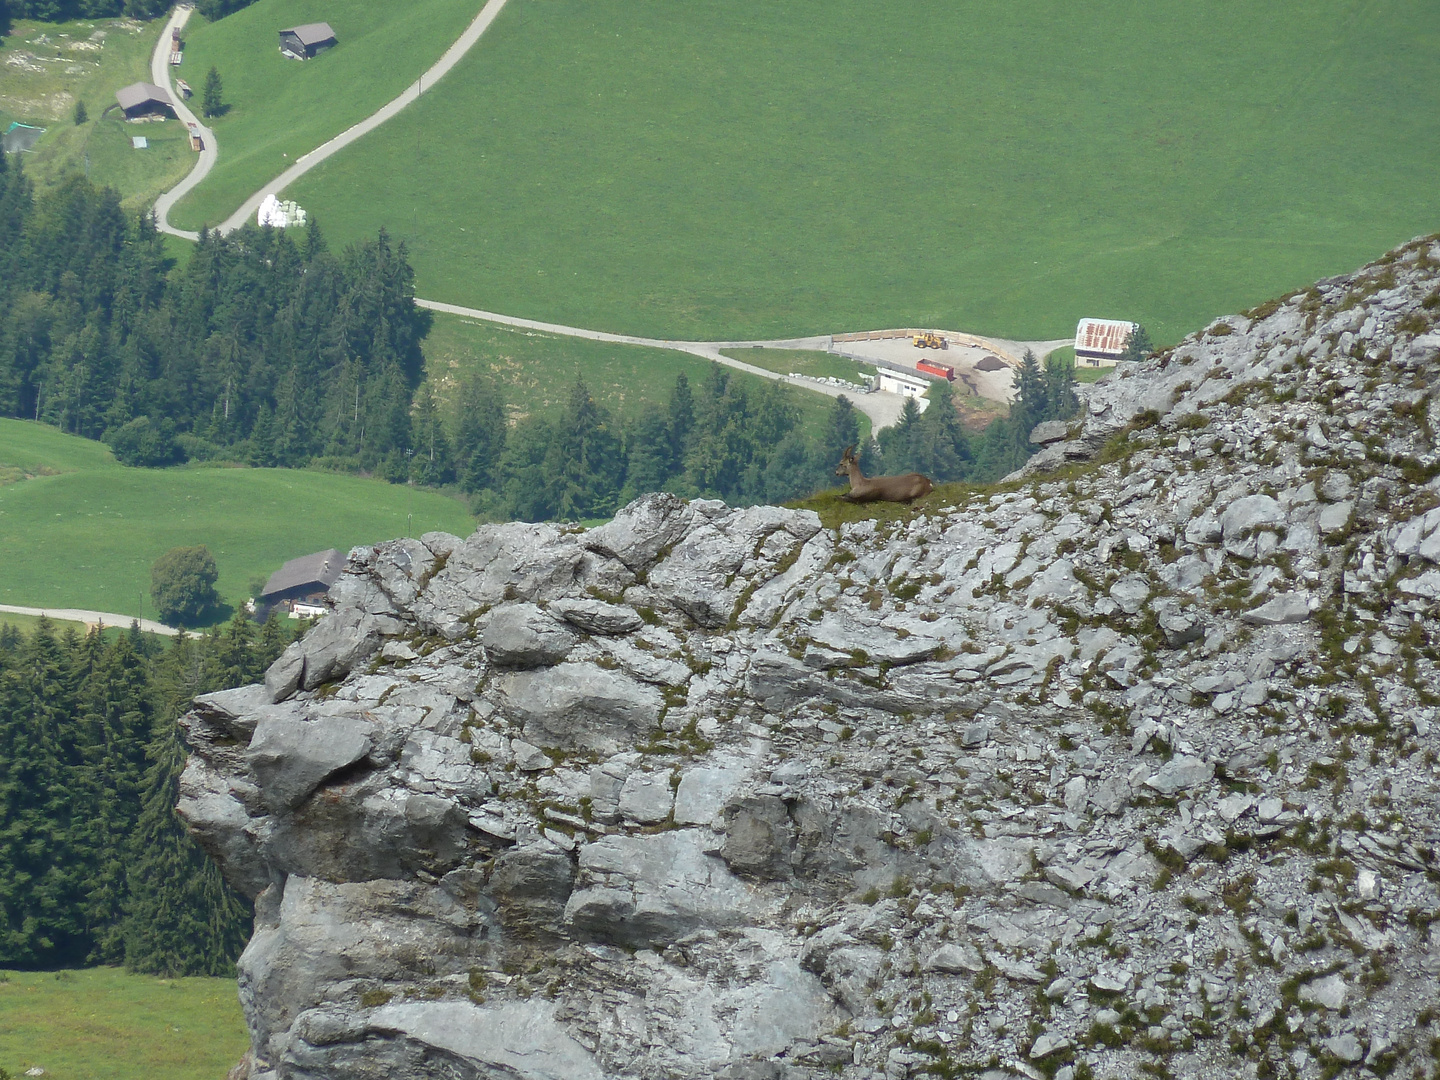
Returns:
point(930, 367)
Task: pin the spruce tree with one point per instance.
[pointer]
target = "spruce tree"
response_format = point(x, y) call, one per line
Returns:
point(432, 464)
point(43, 858)
point(649, 463)
point(1137, 345)
point(480, 432)
point(941, 447)
point(181, 917)
point(212, 97)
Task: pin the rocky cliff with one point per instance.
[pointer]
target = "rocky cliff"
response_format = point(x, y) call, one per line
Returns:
point(1126, 766)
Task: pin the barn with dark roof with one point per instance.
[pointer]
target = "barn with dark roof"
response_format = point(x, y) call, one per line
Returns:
point(143, 99)
point(303, 582)
point(303, 42)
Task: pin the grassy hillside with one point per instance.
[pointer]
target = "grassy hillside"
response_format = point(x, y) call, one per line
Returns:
point(46, 67)
point(537, 370)
point(754, 169)
point(80, 530)
point(102, 1024)
point(281, 108)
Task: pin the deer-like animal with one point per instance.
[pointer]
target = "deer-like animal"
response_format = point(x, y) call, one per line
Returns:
point(880, 488)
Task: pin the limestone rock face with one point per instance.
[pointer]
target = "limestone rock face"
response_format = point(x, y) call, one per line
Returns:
point(1129, 770)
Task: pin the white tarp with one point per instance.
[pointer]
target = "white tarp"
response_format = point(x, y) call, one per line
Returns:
point(279, 214)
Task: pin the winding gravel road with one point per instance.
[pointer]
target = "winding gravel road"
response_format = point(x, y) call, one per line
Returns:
point(160, 76)
point(882, 408)
point(92, 618)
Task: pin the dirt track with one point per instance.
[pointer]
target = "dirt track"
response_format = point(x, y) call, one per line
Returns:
point(91, 618)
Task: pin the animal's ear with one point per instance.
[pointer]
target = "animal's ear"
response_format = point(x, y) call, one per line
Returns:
point(849, 453)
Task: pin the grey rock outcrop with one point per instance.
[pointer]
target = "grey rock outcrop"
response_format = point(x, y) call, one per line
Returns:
point(1127, 771)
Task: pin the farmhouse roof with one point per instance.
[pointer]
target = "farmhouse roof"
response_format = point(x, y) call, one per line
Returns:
point(321, 568)
point(1103, 335)
point(312, 33)
point(139, 93)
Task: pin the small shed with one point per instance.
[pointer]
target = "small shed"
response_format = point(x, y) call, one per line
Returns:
point(301, 583)
point(895, 382)
point(141, 100)
point(303, 42)
point(1102, 342)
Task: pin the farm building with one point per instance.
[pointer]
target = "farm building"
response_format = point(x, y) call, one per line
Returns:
point(303, 42)
point(914, 386)
point(141, 100)
point(299, 586)
point(1101, 342)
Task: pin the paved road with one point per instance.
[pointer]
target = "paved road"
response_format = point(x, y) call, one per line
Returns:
point(160, 76)
point(883, 409)
point(91, 618)
point(305, 163)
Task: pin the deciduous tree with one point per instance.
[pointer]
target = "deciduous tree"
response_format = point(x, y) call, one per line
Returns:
point(182, 584)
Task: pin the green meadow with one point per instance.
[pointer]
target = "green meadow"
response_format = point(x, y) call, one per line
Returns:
point(280, 108)
point(105, 1024)
point(748, 169)
point(80, 530)
point(818, 365)
point(535, 371)
point(46, 67)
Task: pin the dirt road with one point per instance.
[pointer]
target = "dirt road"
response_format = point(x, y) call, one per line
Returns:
point(91, 618)
point(883, 409)
point(160, 76)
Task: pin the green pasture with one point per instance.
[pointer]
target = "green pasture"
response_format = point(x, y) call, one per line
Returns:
point(280, 108)
point(818, 365)
point(46, 67)
point(535, 371)
point(104, 1024)
point(80, 530)
point(752, 169)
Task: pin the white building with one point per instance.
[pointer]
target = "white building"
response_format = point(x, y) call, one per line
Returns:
point(911, 386)
point(1101, 342)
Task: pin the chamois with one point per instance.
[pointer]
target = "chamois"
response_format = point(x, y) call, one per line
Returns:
point(880, 488)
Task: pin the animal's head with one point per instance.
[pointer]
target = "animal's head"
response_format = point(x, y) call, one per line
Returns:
point(846, 460)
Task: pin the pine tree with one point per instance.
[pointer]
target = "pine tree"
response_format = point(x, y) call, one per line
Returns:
point(649, 460)
point(181, 917)
point(42, 868)
point(682, 420)
point(1060, 400)
point(941, 448)
point(432, 463)
point(583, 463)
point(1137, 345)
point(480, 433)
point(212, 96)
point(842, 431)
point(116, 706)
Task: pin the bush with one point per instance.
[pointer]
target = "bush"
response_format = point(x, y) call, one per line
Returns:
point(146, 444)
point(182, 585)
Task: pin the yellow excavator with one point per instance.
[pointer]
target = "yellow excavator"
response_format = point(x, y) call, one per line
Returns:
point(930, 341)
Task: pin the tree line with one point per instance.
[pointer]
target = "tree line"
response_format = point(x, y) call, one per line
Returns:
point(718, 440)
point(64, 10)
point(267, 348)
point(95, 868)
point(259, 349)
